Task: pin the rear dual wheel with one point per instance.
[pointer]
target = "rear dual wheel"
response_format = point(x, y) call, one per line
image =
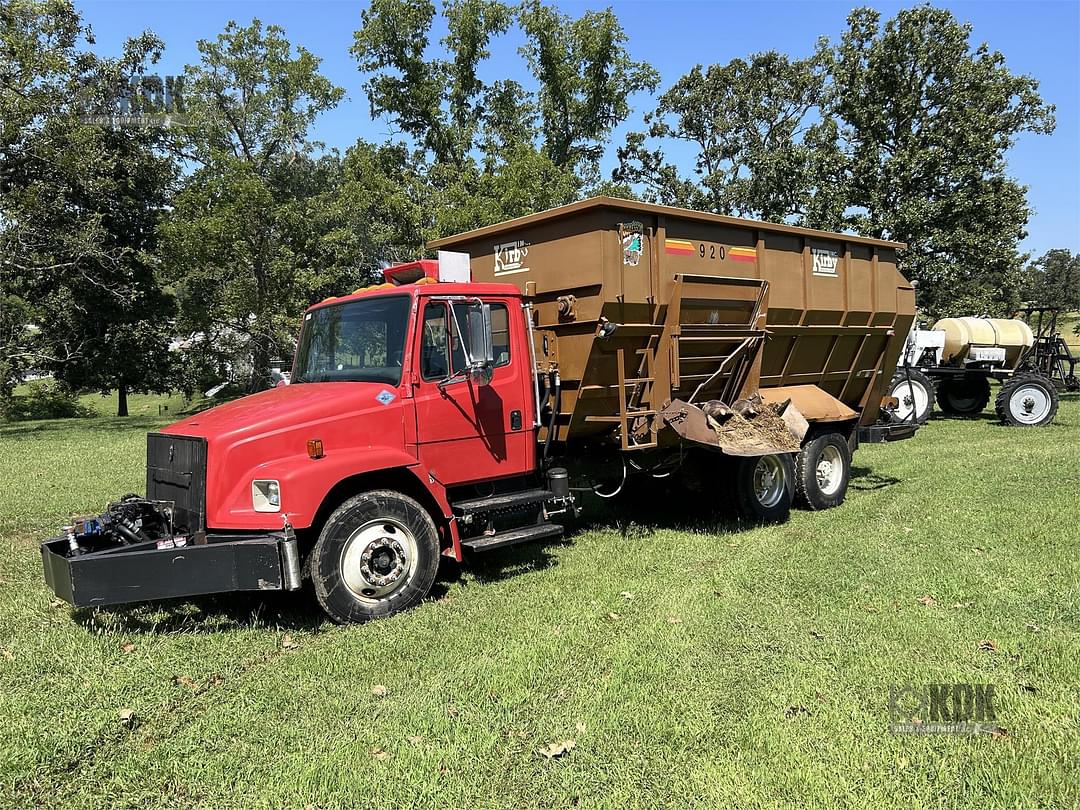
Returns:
point(763, 487)
point(822, 471)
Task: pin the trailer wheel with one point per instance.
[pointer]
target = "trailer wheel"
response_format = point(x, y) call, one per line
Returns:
point(763, 487)
point(822, 470)
point(965, 396)
point(915, 392)
point(377, 555)
point(1027, 400)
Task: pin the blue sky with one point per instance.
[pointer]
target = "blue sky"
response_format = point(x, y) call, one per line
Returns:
point(1038, 38)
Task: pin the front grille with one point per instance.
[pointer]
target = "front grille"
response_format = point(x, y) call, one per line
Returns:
point(176, 471)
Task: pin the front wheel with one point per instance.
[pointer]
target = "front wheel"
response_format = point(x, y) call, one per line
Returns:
point(763, 487)
point(1027, 400)
point(822, 470)
point(914, 392)
point(377, 555)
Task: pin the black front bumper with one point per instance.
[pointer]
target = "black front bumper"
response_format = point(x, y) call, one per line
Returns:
point(142, 572)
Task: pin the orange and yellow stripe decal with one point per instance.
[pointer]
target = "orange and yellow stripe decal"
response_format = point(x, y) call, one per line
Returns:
point(743, 254)
point(680, 247)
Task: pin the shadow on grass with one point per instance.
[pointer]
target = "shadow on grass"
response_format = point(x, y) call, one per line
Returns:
point(639, 513)
point(864, 479)
point(267, 610)
point(208, 614)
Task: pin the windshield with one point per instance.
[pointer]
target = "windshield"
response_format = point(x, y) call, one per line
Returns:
point(360, 341)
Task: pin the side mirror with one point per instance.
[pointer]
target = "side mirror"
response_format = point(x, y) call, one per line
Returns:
point(481, 351)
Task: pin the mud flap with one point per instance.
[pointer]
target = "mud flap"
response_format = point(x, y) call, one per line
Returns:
point(763, 434)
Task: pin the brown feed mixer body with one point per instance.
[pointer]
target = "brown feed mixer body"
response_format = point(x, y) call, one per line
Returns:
point(702, 308)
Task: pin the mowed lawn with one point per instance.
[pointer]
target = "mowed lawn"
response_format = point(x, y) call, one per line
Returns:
point(689, 661)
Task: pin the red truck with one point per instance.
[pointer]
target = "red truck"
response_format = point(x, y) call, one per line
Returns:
point(428, 418)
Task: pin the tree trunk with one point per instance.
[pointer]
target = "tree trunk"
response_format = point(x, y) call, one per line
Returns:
point(121, 400)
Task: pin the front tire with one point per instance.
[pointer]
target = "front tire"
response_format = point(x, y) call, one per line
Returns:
point(822, 470)
point(377, 555)
point(915, 392)
point(964, 396)
point(763, 487)
point(1027, 400)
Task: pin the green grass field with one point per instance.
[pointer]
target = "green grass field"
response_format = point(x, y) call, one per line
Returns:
point(690, 662)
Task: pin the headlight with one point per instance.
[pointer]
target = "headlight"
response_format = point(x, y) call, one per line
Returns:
point(266, 496)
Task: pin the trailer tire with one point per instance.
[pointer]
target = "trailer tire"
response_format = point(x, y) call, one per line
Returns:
point(965, 396)
point(914, 390)
point(1027, 400)
point(377, 555)
point(763, 487)
point(822, 470)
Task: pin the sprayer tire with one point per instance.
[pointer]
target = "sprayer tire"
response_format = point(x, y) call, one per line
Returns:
point(1009, 403)
point(906, 382)
point(822, 470)
point(965, 396)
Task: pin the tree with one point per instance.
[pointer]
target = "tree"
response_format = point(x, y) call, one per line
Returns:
point(488, 151)
point(115, 309)
point(1053, 280)
point(927, 124)
point(78, 208)
point(232, 241)
point(749, 124)
point(899, 131)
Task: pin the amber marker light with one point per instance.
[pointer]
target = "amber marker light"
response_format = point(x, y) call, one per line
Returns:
point(315, 448)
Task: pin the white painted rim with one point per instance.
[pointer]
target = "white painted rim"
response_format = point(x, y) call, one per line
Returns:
point(909, 395)
point(378, 559)
point(829, 470)
point(1029, 404)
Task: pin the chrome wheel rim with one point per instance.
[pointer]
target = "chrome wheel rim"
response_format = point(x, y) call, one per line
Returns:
point(1029, 404)
point(911, 396)
point(769, 481)
point(829, 470)
point(378, 559)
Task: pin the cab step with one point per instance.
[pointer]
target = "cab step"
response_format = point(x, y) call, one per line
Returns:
point(502, 502)
point(513, 536)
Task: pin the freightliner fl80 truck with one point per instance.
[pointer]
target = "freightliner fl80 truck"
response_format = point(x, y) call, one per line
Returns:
point(468, 402)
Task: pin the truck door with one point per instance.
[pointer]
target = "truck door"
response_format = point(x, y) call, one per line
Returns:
point(467, 431)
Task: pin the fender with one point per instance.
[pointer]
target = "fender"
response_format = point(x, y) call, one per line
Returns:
point(305, 482)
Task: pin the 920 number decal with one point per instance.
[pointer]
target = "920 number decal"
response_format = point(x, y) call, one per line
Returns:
point(711, 251)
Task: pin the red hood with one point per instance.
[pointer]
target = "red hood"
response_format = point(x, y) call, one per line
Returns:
point(289, 406)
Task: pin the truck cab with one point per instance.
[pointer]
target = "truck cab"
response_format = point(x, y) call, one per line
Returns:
point(403, 397)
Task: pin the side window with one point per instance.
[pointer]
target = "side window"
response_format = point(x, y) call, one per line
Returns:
point(500, 335)
point(433, 358)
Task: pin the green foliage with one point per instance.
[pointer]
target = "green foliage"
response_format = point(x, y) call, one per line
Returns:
point(1053, 280)
point(483, 152)
point(897, 131)
point(78, 206)
point(237, 247)
point(749, 124)
point(42, 401)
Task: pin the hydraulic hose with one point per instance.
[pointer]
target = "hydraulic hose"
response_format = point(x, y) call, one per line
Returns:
point(556, 384)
